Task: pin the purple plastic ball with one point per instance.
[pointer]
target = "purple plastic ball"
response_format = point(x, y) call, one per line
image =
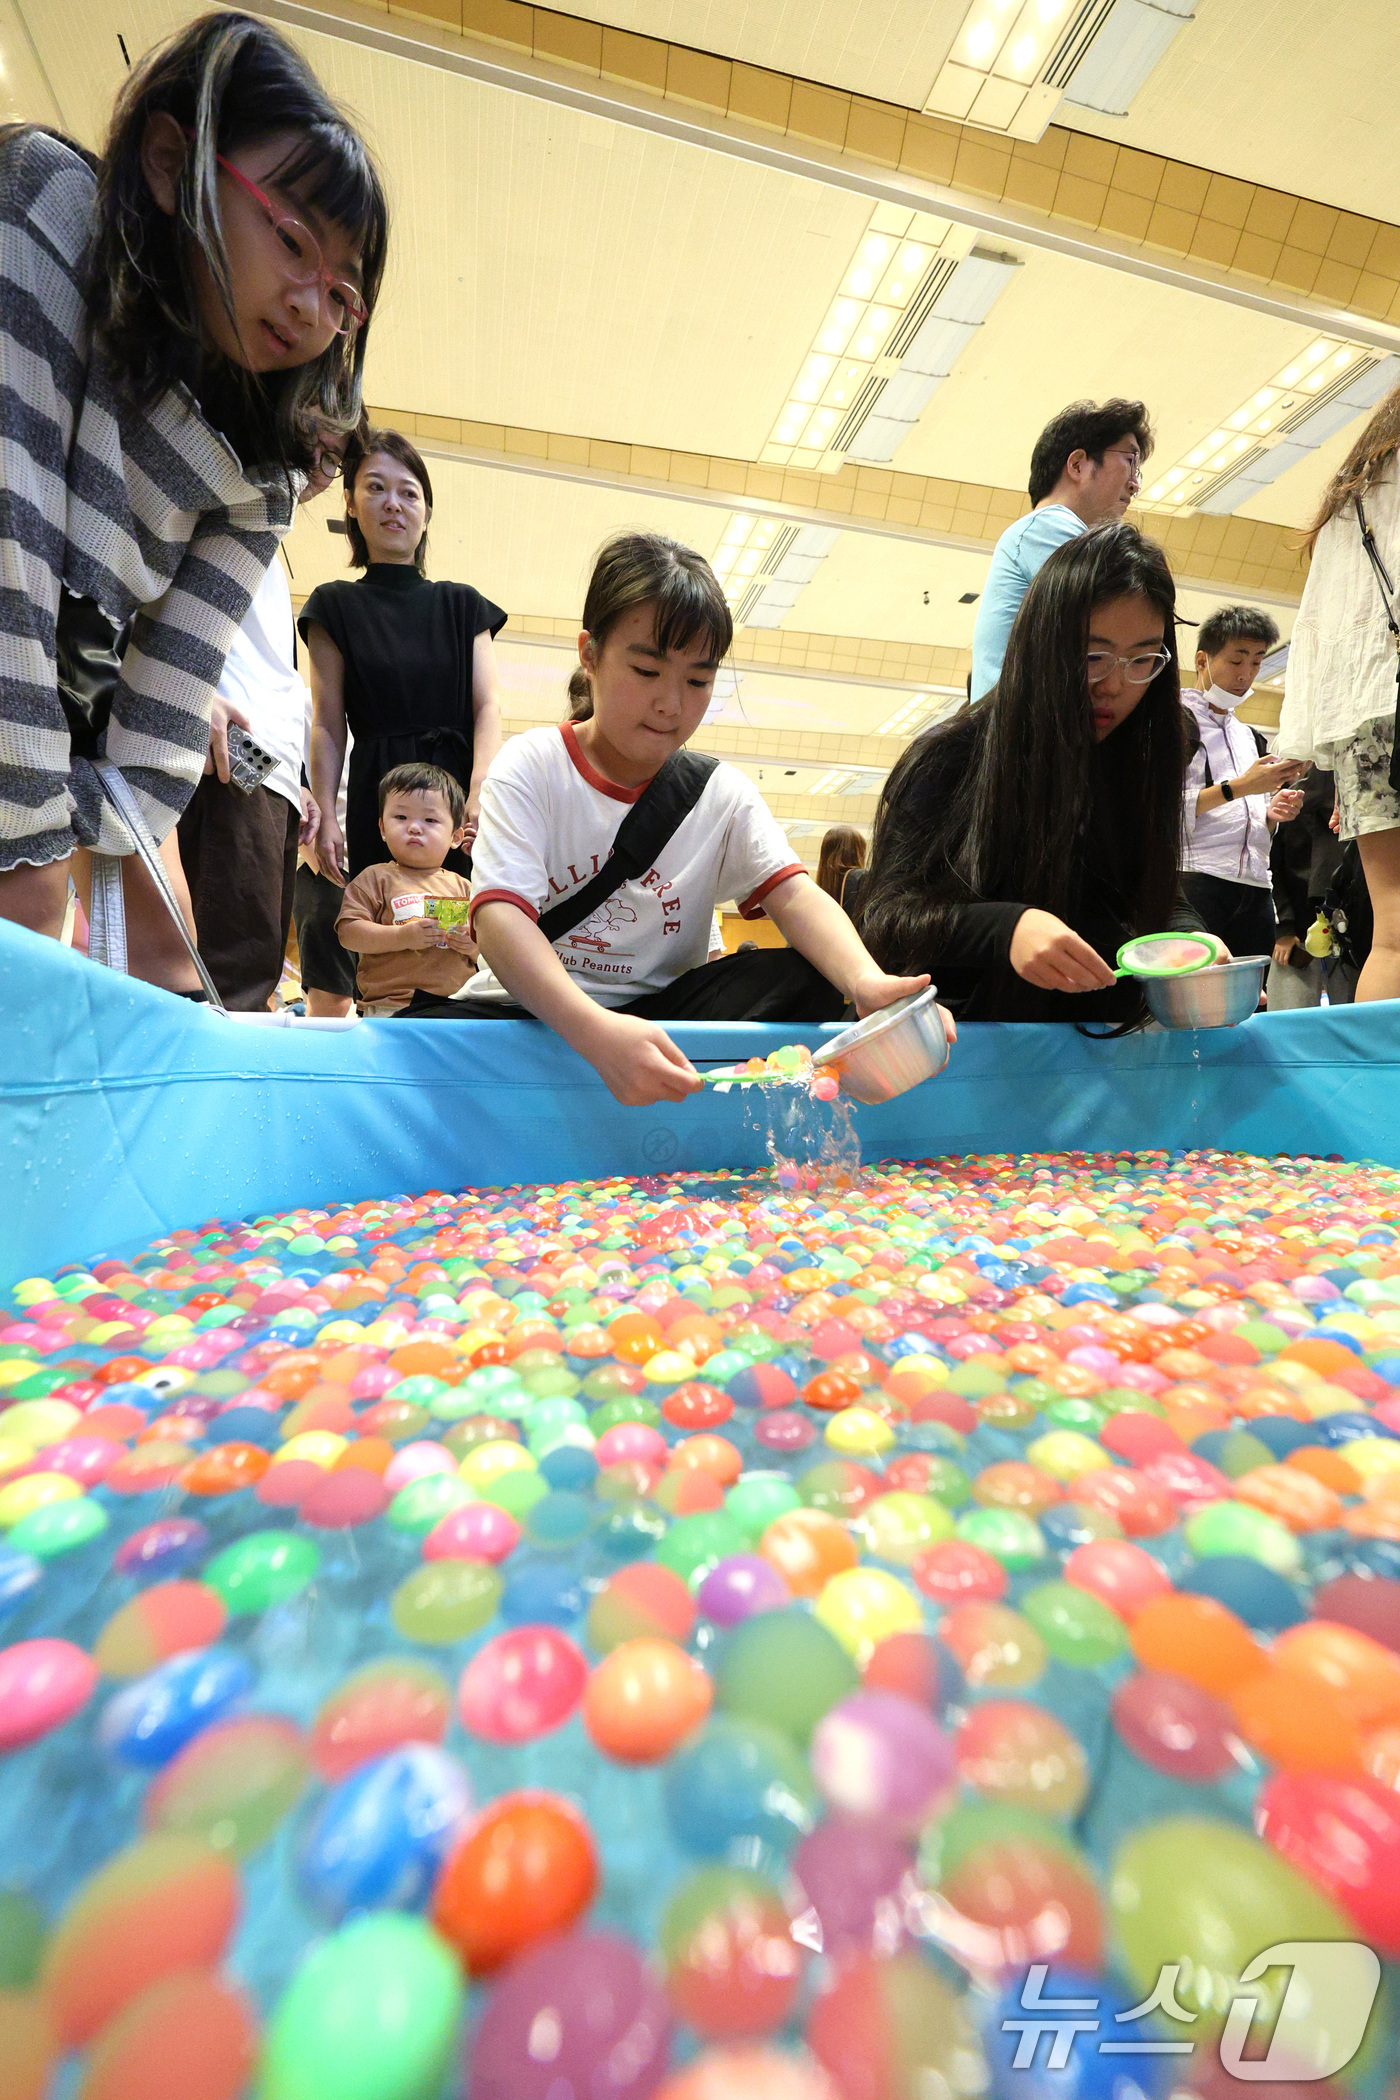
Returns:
point(851, 1873)
point(737, 1587)
point(581, 2018)
point(785, 1430)
point(877, 1754)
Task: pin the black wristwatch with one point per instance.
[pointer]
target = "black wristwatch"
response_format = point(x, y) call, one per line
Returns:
point(1227, 790)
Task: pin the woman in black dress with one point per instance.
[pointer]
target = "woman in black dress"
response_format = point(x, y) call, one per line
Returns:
point(405, 664)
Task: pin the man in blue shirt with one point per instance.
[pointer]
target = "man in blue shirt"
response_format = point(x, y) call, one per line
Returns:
point(1085, 471)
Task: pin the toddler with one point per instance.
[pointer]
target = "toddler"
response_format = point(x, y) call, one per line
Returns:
point(390, 916)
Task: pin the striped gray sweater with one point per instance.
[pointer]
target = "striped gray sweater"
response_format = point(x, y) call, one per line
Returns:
point(150, 514)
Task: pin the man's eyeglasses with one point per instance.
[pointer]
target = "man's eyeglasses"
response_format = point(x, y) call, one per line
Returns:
point(1134, 460)
point(301, 257)
point(1137, 670)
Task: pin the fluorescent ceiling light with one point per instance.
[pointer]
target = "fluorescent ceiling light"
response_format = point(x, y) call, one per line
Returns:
point(924, 708)
point(1316, 393)
point(1012, 60)
point(949, 326)
point(901, 259)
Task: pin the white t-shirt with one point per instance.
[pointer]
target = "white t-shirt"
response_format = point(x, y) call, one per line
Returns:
point(260, 677)
point(1232, 841)
point(548, 820)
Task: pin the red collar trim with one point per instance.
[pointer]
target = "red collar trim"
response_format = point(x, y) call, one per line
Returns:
point(591, 774)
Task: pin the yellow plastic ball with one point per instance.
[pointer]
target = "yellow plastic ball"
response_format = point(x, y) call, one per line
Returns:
point(900, 1525)
point(668, 1367)
point(40, 1422)
point(317, 1447)
point(930, 1370)
point(864, 1606)
point(14, 1451)
point(859, 1431)
point(1372, 1456)
point(487, 1462)
point(34, 1491)
point(1062, 1453)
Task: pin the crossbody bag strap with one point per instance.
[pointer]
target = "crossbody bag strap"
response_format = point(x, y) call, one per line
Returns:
point(107, 883)
point(649, 826)
point(1385, 587)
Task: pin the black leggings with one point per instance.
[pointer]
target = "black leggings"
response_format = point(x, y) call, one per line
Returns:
point(762, 984)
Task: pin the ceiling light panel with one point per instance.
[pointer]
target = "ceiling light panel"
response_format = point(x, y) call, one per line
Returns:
point(1013, 60)
point(924, 708)
point(902, 258)
point(947, 329)
point(1308, 399)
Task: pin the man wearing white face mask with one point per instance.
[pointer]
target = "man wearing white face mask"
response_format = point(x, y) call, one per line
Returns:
point(1236, 794)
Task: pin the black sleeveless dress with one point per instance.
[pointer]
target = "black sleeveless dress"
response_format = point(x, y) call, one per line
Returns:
point(407, 645)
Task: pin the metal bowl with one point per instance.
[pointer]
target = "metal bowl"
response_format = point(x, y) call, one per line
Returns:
point(888, 1052)
point(1216, 997)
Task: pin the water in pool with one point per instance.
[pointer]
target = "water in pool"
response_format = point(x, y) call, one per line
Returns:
point(725, 1637)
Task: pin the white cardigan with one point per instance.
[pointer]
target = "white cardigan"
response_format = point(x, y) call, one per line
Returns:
point(1341, 665)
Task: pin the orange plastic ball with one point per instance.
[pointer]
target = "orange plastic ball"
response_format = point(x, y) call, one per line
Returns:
point(808, 1547)
point(524, 1869)
point(710, 1454)
point(1196, 1638)
point(1296, 1498)
point(644, 1698)
point(225, 1469)
point(1293, 1727)
point(1342, 1669)
point(830, 1391)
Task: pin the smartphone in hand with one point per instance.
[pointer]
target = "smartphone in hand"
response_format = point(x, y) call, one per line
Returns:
point(248, 764)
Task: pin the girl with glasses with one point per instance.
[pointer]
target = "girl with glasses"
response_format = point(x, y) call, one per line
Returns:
point(1019, 845)
point(180, 322)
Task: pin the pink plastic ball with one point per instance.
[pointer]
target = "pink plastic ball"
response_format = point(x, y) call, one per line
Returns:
point(416, 1462)
point(477, 1531)
point(631, 1442)
point(521, 1685)
point(87, 1459)
point(42, 1685)
point(878, 1754)
point(825, 1087)
point(1121, 1575)
point(373, 1382)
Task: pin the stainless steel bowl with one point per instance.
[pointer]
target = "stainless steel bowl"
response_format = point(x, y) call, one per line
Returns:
point(1216, 997)
point(888, 1052)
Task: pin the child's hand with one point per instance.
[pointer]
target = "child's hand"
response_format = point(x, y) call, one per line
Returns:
point(422, 933)
point(639, 1064)
point(873, 990)
point(461, 942)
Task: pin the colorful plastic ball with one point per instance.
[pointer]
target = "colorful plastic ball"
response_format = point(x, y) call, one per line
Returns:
point(1079, 2070)
point(521, 1685)
point(855, 1876)
point(417, 1461)
point(1177, 1728)
point(1075, 1626)
point(379, 1837)
point(643, 1698)
point(879, 1755)
point(906, 1663)
point(162, 1549)
point(58, 1527)
point(189, 2037)
point(892, 2028)
point(695, 1544)
point(639, 1600)
point(261, 1569)
point(784, 1668)
point(737, 1587)
point(1370, 1604)
point(1119, 1574)
point(371, 2014)
point(1264, 1600)
point(731, 1964)
point(162, 1621)
point(1209, 1897)
point(955, 1571)
point(1016, 1886)
point(164, 1904)
point(1196, 1638)
point(525, 1869)
point(737, 1785)
point(581, 2016)
point(397, 1700)
point(1353, 1675)
point(424, 1502)
point(233, 1784)
point(154, 1717)
point(749, 2073)
point(756, 1499)
point(864, 1606)
point(902, 1526)
point(1009, 1535)
point(1344, 1835)
point(1234, 1528)
point(476, 1531)
point(806, 1548)
point(996, 1648)
point(1013, 1752)
point(785, 1430)
point(445, 1601)
point(43, 1683)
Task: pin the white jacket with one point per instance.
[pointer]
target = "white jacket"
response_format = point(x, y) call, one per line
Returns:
point(1341, 665)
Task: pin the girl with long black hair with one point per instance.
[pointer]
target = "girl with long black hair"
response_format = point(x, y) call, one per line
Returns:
point(1020, 844)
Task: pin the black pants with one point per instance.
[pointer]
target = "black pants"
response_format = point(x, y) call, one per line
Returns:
point(239, 853)
point(763, 984)
point(325, 965)
point(1236, 912)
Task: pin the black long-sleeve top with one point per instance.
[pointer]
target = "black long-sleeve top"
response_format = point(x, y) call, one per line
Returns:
point(970, 959)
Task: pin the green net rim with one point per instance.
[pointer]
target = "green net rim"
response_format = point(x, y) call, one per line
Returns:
point(1148, 940)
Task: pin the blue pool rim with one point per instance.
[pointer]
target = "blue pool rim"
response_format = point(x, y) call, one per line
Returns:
point(125, 1113)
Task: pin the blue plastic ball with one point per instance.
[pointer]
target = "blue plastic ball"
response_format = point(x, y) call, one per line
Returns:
point(379, 1838)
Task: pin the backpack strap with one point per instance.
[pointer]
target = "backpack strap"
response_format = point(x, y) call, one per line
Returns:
point(647, 829)
point(1193, 744)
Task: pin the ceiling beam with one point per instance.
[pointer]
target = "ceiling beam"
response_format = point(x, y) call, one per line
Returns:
point(1162, 219)
point(1207, 553)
